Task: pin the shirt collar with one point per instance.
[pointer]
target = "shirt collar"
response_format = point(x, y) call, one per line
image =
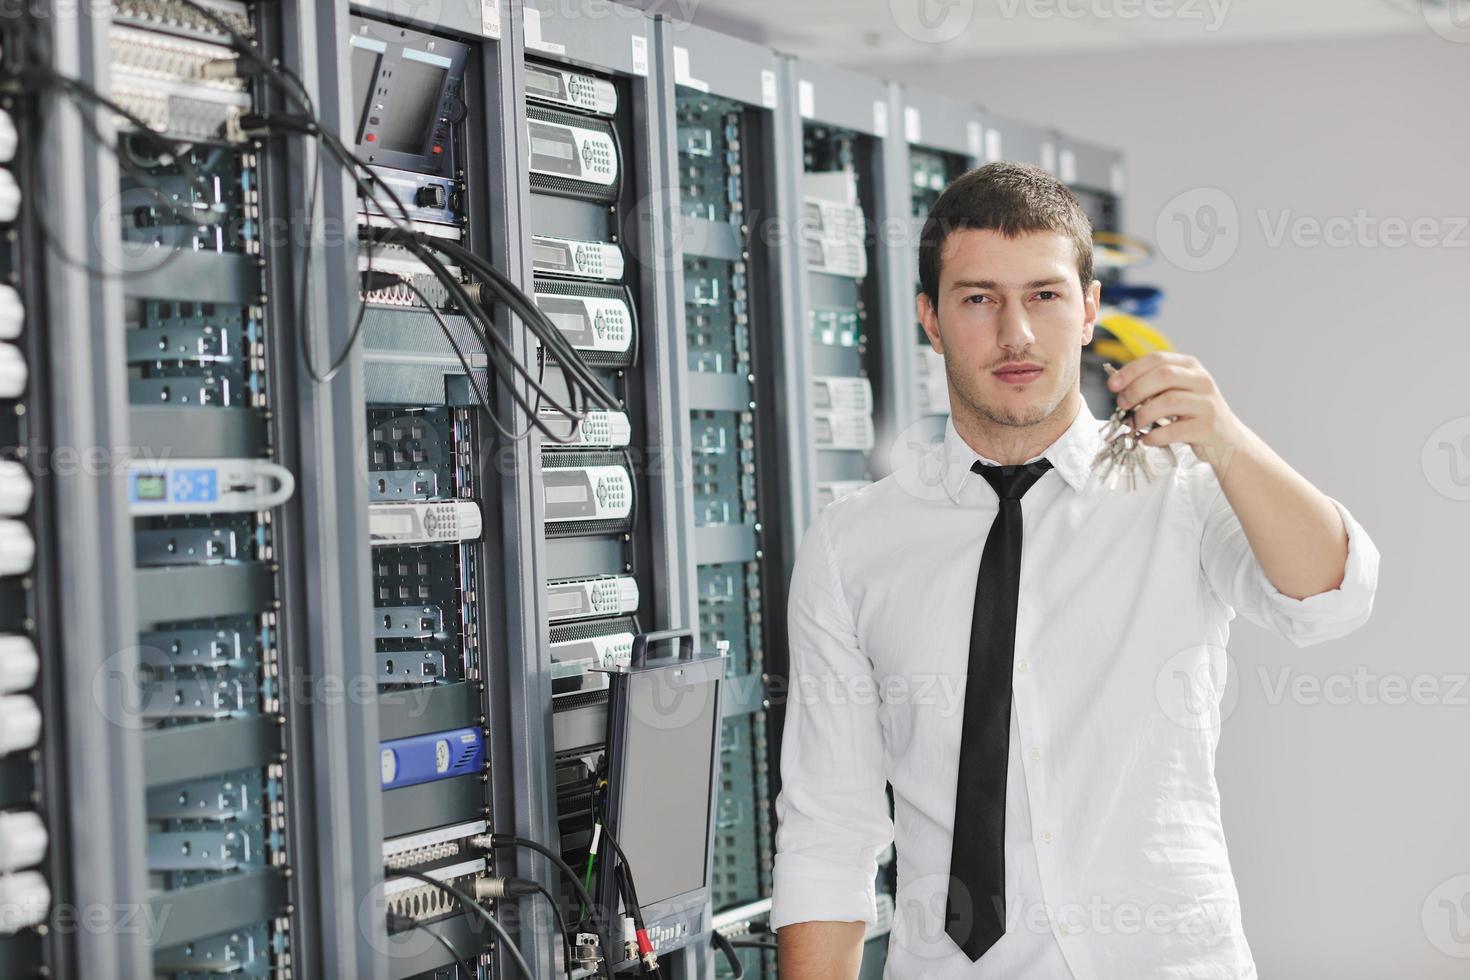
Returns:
point(1070, 455)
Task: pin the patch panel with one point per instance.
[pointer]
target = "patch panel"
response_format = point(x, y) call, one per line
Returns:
point(430, 846)
point(175, 17)
point(186, 88)
point(410, 899)
point(415, 284)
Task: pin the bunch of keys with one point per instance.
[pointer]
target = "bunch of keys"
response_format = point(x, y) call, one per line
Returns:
point(1123, 456)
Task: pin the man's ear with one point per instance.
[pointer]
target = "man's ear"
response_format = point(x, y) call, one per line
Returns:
point(929, 319)
point(1091, 304)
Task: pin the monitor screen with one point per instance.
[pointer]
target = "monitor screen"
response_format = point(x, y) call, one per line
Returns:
point(413, 105)
point(364, 80)
point(663, 823)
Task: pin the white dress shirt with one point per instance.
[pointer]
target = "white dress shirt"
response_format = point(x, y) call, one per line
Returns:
point(1116, 865)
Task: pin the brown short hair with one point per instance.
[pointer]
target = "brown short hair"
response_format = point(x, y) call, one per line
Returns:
point(1011, 198)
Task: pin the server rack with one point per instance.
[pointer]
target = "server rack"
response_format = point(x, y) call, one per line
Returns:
point(645, 536)
point(734, 246)
point(846, 395)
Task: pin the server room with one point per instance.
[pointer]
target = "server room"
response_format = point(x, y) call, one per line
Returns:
point(734, 489)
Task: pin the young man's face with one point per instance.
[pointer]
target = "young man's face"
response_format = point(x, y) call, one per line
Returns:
point(1011, 322)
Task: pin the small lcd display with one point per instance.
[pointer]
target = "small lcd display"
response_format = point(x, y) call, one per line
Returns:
point(151, 486)
point(546, 83)
point(572, 323)
point(557, 149)
point(571, 494)
point(554, 256)
point(413, 106)
point(565, 601)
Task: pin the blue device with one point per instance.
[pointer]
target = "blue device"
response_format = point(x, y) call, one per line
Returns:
point(426, 758)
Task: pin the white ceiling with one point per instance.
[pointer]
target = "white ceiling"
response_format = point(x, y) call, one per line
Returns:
point(866, 33)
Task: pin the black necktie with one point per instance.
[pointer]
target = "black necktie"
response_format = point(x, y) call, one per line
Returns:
point(974, 915)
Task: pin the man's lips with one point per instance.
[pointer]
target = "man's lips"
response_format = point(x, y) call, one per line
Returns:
point(1018, 374)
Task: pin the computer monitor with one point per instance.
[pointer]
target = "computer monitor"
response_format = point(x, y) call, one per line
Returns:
point(664, 720)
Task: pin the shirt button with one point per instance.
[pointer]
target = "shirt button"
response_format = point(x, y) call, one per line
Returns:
point(1023, 666)
point(1065, 929)
point(1047, 836)
point(1035, 754)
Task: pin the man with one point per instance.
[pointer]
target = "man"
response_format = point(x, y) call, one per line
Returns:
point(1048, 725)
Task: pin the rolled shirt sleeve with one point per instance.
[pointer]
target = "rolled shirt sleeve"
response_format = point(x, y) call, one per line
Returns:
point(1238, 579)
point(832, 811)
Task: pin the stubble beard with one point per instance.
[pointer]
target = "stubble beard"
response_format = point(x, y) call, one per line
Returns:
point(969, 387)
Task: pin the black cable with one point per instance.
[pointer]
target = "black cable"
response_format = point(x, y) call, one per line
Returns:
point(753, 944)
point(470, 905)
point(532, 315)
point(448, 331)
point(589, 908)
point(561, 923)
point(494, 346)
point(635, 907)
point(508, 840)
point(409, 922)
point(720, 942)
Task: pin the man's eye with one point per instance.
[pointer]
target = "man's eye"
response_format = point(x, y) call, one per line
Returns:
point(976, 299)
point(1047, 294)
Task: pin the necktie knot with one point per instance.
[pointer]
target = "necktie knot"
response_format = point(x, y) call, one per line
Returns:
point(1012, 482)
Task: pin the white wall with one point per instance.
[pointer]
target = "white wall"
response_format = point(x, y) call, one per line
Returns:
point(1343, 818)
